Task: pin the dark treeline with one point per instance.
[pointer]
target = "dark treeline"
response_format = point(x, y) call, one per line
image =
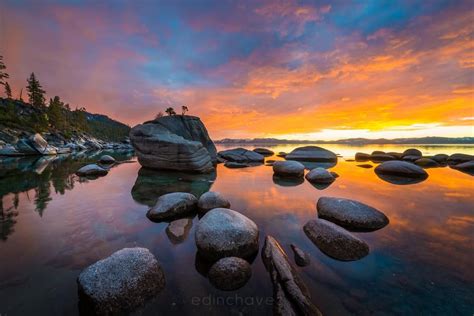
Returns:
point(40, 115)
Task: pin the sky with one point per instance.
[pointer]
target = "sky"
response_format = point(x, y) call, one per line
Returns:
point(285, 69)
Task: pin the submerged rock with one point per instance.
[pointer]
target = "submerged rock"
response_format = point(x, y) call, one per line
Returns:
point(282, 154)
point(106, 159)
point(241, 155)
point(264, 151)
point(319, 175)
point(288, 169)
point(226, 233)
point(178, 142)
point(290, 294)
point(91, 170)
point(351, 214)
point(365, 165)
point(230, 273)
point(335, 241)
point(178, 230)
point(301, 257)
point(173, 206)
point(312, 153)
point(401, 168)
point(426, 163)
point(120, 283)
point(211, 200)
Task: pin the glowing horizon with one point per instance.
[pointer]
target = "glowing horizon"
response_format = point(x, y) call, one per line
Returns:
point(280, 69)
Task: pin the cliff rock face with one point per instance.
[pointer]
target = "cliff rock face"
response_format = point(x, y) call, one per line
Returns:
point(178, 142)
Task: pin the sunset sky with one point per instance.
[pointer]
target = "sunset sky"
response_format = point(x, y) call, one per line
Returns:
point(284, 69)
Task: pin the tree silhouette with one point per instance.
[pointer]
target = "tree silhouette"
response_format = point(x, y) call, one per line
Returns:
point(170, 111)
point(35, 92)
point(3, 74)
point(184, 109)
point(160, 114)
point(8, 90)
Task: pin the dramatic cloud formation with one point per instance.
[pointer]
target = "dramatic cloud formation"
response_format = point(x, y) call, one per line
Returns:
point(291, 69)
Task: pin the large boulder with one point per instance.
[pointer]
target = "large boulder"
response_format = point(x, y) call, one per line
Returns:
point(225, 233)
point(351, 214)
point(178, 142)
point(467, 167)
point(401, 168)
point(455, 159)
point(288, 169)
point(107, 159)
point(23, 146)
point(362, 157)
point(319, 175)
point(120, 283)
point(211, 200)
point(91, 170)
point(441, 158)
point(241, 155)
point(312, 153)
point(264, 151)
point(229, 274)
point(335, 241)
point(290, 294)
point(173, 206)
point(412, 152)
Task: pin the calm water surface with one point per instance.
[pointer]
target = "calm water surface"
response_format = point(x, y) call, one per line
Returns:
point(53, 224)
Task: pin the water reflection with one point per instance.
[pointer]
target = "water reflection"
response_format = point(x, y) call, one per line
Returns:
point(398, 180)
point(287, 181)
point(151, 184)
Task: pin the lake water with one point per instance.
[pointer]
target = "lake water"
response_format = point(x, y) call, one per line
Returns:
point(53, 224)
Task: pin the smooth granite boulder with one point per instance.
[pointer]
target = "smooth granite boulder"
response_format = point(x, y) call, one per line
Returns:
point(222, 232)
point(426, 163)
point(412, 152)
point(92, 170)
point(401, 168)
point(335, 241)
point(264, 151)
point(455, 159)
point(120, 283)
point(351, 214)
point(290, 294)
point(178, 142)
point(173, 206)
point(441, 158)
point(106, 159)
point(381, 157)
point(319, 175)
point(362, 157)
point(312, 153)
point(288, 169)
point(241, 155)
point(211, 200)
point(230, 273)
point(467, 167)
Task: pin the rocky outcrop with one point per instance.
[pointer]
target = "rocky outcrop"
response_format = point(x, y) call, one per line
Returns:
point(226, 233)
point(290, 294)
point(401, 168)
point(241, 155)
point(212, 200)
point(312, 154)
point(178, 142)
point(288, 169)
point(120, 283)
point(229, 274)
point(351, 214)
point(173, 206)
point(335, 241)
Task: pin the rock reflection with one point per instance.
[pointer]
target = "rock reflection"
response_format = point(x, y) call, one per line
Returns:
point(398, 180)
point(178, 230)
point(151, 184)
point(287, 181)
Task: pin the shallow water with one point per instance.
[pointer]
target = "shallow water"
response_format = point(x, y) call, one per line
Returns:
point(53, 224)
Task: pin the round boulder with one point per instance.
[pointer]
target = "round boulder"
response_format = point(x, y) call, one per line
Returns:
point(401, 168)
point(426, 163)
point(91, 170)
point(223, 233)
point(335, 241)
point(264, 151)
point(351, 214)
point(288, 169)
point(106, 159)
point(312, 153)
point(441, 158)
point(120, 283)
point(362, 157)
point(211, 200)
point(412, 152)
point(455, 159)
point(230, 273)
point(319, 175)
point(173, 206)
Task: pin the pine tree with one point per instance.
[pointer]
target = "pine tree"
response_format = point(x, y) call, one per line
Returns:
point(3, 74)
point(170, 111)
point(35, 92)
point(56, 113)
point(8, 90)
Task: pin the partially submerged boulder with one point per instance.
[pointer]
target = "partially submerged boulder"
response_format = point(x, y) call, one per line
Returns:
point(288, 169)
point(362, 157)
point(107, 159)
point(120, 283)
point(455, 159)
point(335, 241)
point(91, 170)
point(264, 151)
point(351, 214)
point(301, 257)
point(320, 175)
point(312, 153)
point(401, 168)
point(467, 167)
point(241, 155)
point(441, 158)
point(178, 142)
point(230, 273)
point(173, 206)
point(290, 294)
point(412, 152)
point(211, 200)
point(223, 233)
point(426, 163)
